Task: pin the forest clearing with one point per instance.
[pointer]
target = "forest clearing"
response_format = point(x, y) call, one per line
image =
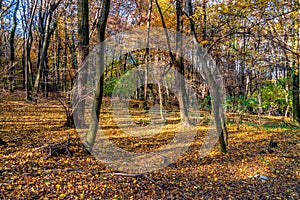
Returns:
point(251, 170)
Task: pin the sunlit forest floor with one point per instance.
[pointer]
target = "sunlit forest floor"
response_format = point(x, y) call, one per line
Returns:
point(250, 170)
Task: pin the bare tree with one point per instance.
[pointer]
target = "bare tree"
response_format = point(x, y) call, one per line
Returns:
point(147, 48)
point(95, 115)
point(217, 111)
point(48, 10)
point(177, 60)
point(12, 67)
point(179, 64)
point(28, 45)
point(83, 46)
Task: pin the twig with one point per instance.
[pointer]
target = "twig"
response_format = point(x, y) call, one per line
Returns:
point(123, 174)
point(53, 171)
point(288, 156)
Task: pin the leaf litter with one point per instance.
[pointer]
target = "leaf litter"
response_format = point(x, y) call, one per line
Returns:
point(249, 171)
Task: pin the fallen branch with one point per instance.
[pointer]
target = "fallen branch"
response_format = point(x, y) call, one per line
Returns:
point(287, 156)
point(284, 156)
point(123, 174)
point(50, 171)
point(55, 148)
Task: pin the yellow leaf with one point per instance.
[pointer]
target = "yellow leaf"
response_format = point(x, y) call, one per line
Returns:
point(204, 42)
point(9, 187)
point(63, 195)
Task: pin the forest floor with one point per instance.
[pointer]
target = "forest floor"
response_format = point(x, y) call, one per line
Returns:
point(250, 169)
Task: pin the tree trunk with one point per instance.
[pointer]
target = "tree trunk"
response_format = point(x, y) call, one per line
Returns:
point(12, 67)
point(295, 74)
point(83, 34)
point(147, 48)
point(219, 115)
point(295, 93)
point(45, 46)
point(259, 105)
point(45, 77)
point(160, 98)
point(58, 60)
point(28, 44)
point(73, 53)
point(180, 66)
point(177, 60)
point(95, 115)
point(65, 57)
point(42, 59)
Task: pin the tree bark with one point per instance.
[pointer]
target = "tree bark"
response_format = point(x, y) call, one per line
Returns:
point(95, 115)
point(28, 45)
point(147, 48)
point(12, 67)
point(295, 91)
point(219, 115)
point(83, 35)
point(45, 46)
point(57, 60)
point(177, 61)
point(295, 71)
point(179, 64)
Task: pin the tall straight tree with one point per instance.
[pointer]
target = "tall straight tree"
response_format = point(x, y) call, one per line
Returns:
point(28, 45)
point(218, 114)
point(83, 46)
point(95, 115)
point(12, 47)
point(179, 64)
point(295, 66)
point(49, 9)
point(177, 60)
point(147, 48)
